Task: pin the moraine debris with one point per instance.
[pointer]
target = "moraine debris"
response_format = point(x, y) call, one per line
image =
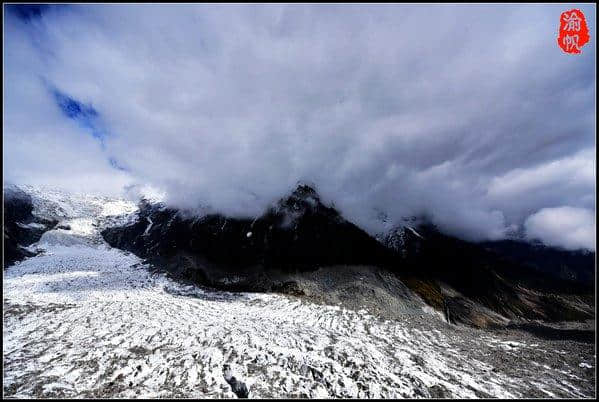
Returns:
point(238, 387)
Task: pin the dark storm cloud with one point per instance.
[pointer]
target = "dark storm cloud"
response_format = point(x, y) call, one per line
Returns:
point(470, 114)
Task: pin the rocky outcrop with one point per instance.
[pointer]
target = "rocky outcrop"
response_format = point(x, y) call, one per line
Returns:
point(238, 387)
point(21, 227)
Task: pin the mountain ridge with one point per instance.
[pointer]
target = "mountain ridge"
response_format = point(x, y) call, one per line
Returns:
point(299, 242)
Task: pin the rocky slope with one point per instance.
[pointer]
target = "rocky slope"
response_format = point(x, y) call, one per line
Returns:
point(477, 284)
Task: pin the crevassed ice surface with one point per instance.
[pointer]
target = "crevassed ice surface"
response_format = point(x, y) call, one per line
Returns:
point(85, 320)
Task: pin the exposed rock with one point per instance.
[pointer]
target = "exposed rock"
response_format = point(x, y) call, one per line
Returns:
point(21, 227)
point(238, 387)
point(438, 391)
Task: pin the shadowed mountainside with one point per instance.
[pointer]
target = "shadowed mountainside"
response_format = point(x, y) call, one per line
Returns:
point(299, 233)
point(576, 266)
point(21, 227)
point(459, 277)
point(470, 283)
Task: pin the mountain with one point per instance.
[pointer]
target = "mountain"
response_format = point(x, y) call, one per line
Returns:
point(482, 285)
point(404, 240)
point(299, 233)
point(121, 329)
point(304, 247)
point(570, 265)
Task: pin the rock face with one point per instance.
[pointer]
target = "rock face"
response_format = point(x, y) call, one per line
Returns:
point(404, 240)
point(21, 227)
point(238, 387)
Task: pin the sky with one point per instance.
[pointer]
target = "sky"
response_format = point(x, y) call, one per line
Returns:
point(470, 115)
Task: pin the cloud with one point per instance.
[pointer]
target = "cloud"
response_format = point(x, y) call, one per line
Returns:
point(468, 114)
point(567, 227)
point(569, 180)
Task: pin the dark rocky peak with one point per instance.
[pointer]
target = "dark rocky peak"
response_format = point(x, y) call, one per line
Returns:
point(285, 213)
point(147, 204)
point(304, 191)
point(151, 209)
point(407, 237)
point(304, 200)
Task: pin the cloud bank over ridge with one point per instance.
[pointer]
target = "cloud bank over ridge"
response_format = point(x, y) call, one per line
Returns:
point(471, 115)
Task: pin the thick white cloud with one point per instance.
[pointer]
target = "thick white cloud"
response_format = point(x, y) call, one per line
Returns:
point(468, 114)
point(569, 180)
point(567, 227)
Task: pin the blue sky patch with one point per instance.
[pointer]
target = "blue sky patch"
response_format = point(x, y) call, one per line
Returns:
point(85, 115)
point(27, 12)
point(73, 108)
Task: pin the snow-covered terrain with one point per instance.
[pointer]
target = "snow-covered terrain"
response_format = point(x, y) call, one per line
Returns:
point(82, 319)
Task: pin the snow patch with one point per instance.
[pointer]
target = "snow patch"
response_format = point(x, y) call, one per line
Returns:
point(149, 226)
point(31, 225)
point(414, 231)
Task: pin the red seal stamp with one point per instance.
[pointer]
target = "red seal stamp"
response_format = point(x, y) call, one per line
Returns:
point(573, 31)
